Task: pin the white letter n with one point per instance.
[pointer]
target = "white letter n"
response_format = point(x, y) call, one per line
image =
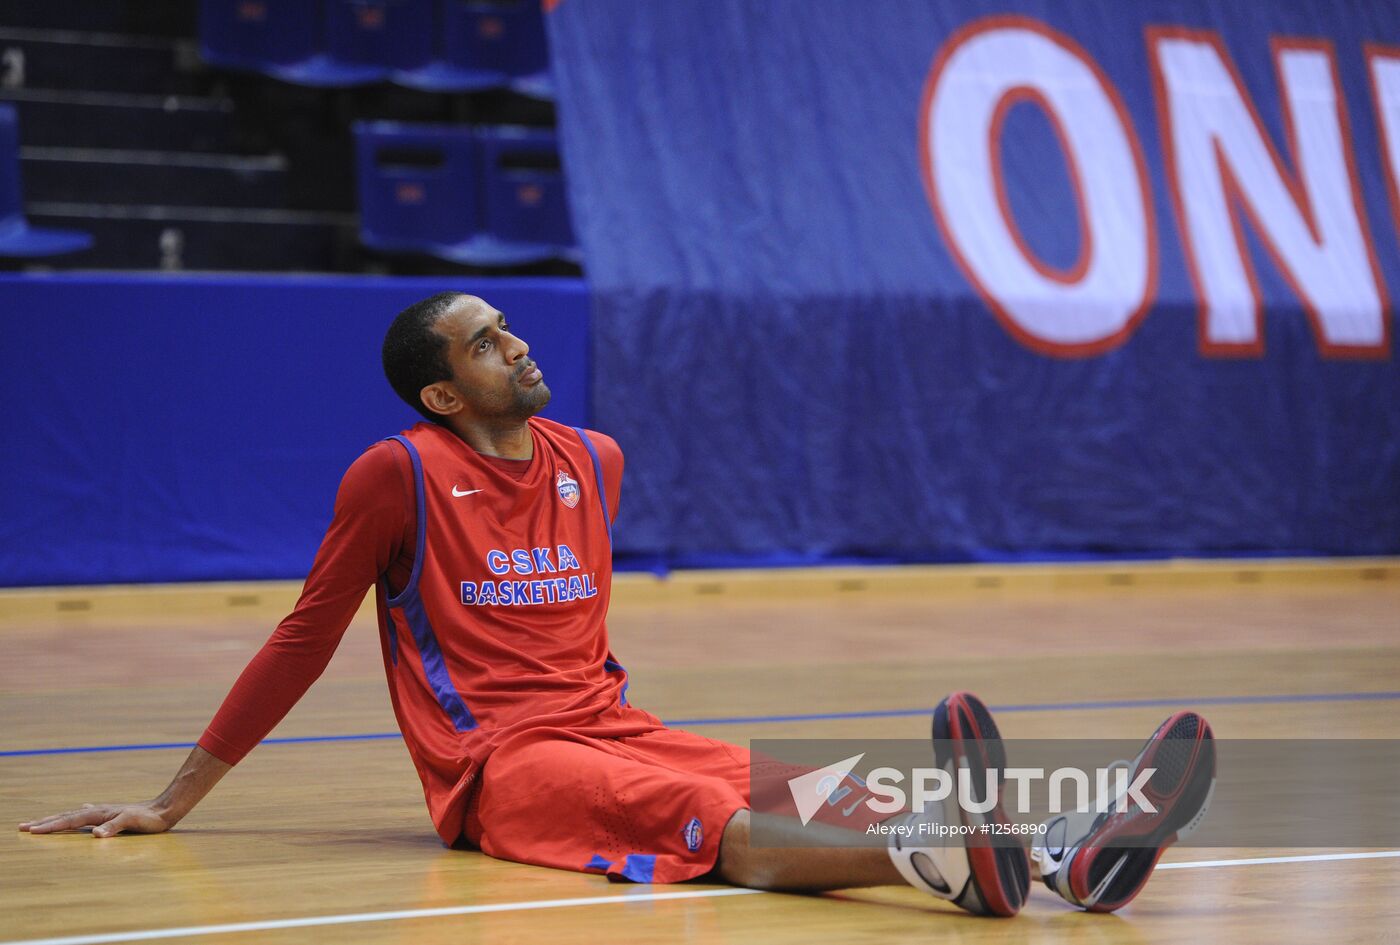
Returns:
point(1221, 163)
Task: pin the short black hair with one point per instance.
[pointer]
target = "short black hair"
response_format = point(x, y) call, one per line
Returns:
point(415, 353)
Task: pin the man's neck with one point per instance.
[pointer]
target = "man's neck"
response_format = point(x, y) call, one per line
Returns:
point(507, 442)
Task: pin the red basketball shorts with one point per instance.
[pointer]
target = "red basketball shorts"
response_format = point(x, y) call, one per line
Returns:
point(648, 808)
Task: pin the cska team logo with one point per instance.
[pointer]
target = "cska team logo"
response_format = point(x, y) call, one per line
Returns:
point(568, 488)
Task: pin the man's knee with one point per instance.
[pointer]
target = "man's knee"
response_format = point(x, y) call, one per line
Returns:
point(739, 864)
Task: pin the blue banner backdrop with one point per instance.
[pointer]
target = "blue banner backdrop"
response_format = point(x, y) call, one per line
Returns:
point(960, 281)
point(195, 428)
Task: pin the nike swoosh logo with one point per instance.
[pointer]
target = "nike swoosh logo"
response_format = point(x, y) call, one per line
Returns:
point(456, 492)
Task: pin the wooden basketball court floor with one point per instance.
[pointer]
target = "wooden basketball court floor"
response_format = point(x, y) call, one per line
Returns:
point(327, 838)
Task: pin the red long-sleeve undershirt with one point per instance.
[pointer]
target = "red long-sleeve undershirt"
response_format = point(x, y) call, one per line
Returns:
point(372, 533)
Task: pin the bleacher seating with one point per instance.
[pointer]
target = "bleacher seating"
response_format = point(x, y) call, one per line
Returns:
point(430, 45)
point(235, 151)
point(484, 45)
point(17, 237)
point(42, 59)
point(285, 39)
point(417, 187)
point(390, 34)
point(491, 197)
point(525, 212)
point(165, 18)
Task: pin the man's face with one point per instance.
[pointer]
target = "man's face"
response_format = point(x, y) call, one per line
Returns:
point(493, 376)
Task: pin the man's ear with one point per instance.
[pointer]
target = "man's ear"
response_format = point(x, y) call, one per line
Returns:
point(441, 398)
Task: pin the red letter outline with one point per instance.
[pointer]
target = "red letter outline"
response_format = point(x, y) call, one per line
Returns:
point(1013, 97)
point(1020, 93)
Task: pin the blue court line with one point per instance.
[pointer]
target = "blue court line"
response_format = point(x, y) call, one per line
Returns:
point(154, 746)
point(1173, 702)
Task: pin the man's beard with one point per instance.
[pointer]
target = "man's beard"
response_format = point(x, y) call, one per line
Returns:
point(531, 400)
point(516, 406)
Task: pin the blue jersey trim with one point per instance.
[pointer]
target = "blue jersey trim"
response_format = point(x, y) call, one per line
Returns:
point(422, 534)
point(639, 867)
point(598, 478)
point(434, 666)
point(611, 665)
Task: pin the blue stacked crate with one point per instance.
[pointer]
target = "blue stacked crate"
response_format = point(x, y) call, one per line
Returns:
point(489, 197)
point(431, 45)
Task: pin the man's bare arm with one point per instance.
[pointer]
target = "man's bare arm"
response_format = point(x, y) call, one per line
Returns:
point(373, 523)
point(196, 778)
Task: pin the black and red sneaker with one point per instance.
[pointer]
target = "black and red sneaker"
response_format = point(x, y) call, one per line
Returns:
point(1101, 858)
point(977, 867)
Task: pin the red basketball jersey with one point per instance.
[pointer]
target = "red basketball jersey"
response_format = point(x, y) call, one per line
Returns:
point(501, 628)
